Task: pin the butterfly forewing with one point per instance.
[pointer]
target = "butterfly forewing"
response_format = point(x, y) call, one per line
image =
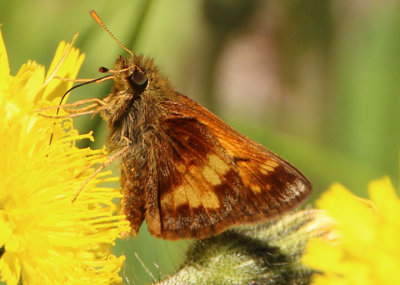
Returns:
point(210, 177)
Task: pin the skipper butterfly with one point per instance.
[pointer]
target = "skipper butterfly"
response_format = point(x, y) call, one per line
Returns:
point(183, 170)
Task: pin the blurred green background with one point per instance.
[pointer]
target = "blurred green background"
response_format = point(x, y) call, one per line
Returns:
point(318, 82)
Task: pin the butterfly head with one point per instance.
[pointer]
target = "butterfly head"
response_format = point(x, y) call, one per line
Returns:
point(137, 76)
point(138, 86)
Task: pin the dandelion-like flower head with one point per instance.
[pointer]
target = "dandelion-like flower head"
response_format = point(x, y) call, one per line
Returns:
point(44, 237)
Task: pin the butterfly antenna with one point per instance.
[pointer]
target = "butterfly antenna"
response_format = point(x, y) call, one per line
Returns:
point(100, 22)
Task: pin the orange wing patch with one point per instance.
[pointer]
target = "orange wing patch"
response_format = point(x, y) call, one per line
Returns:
point(188, 193)
point(268, 166)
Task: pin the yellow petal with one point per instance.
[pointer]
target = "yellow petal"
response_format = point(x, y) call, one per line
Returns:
point(383, 195)
point(66, 64)
point(4, 65)
point(346, 208)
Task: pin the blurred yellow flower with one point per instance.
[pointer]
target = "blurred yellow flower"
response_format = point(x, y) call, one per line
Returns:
point(367, 250)
point(44, 237)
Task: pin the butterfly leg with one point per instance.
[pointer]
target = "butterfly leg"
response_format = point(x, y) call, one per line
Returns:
point(95, 107)
point(110, 159)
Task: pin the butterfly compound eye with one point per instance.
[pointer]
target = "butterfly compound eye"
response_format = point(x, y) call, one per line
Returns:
point(138, 79)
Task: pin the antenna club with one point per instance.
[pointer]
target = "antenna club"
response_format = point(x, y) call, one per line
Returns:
point(95, 16)
point(103, 69)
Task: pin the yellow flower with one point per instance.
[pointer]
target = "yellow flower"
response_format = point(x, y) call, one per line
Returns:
point(44, 237)
point(367, 250)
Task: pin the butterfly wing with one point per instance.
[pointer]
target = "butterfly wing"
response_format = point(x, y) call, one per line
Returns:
point(210, 177)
